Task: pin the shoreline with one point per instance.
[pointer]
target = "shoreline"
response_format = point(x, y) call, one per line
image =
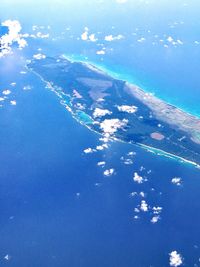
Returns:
point(132, 83)
point(150, 149)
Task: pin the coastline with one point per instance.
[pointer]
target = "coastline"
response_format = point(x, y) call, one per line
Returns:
point(150, 149)
point(124, 78)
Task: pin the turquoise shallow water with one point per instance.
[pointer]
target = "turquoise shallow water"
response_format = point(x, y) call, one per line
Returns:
point(57, 208)
point(171, 73)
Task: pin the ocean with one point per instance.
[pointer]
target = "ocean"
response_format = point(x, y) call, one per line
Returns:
point(57, 207)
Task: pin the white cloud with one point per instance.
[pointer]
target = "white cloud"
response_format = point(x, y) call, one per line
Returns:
point(137, 178)
point(109, 172)
point(27, 87)
point(89, 150)
point(92, 38)
point(110, 38)
point(177, 181)
point(157, 210)
point(175, 259)
point(155, 219)
point(128, 109)
point(104, 139)
point(13, 36)
point(100, 52)
point(7, 257)
point(144, 206)
point(174, 42)
point(179, 42)
point(101, 163)
point(23, 72)
point(131, 153)
point(84, 36)
point(133, 194)
point(13, 102)
point(6, 92)
point(128, 161)
point(98, 112)
point(102, 147)
point(142, 194)
point(42, 35)
point(136, 210)
point(39, 56)
point(141, 40)
point(170, 39)
point(110, 126)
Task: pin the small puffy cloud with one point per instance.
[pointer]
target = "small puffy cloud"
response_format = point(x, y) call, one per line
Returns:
point(110, 38)
point(174, 42)
point(142, 168)
point(23, 72)
point(42, 35)
point(7, 257)
point(101, 163)
point(92, 38)
point(141, 40)
point(101, 147)
point(136, 210)
point(133, 194)
point(157, 210)
point(109, 172)
point(39, 56)
point(155, 219)
point(84, 36)
point(100, 52)
point(175, 259)
point(142, 194)
point(12, 37)
point(78, 194)
point(6, 92)
point(104, 139)
point(128, 161)
point(144, 206)
point(170, 39)
point(179, 42)
point(13, 102)
point(131, 153)
point(177, 181)
point(110, 126)
point(27, 87)
point(98, 112)
point(128, 109)
point(89, 150)
point(137, 178)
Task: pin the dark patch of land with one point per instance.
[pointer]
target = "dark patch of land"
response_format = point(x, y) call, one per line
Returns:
point(155, 123)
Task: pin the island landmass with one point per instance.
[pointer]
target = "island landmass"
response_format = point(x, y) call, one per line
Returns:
point(120, 110)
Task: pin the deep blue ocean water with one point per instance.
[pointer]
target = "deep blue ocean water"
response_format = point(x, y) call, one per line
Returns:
point(57, 208)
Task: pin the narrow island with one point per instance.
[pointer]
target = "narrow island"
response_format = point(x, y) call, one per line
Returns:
point(120, 110)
